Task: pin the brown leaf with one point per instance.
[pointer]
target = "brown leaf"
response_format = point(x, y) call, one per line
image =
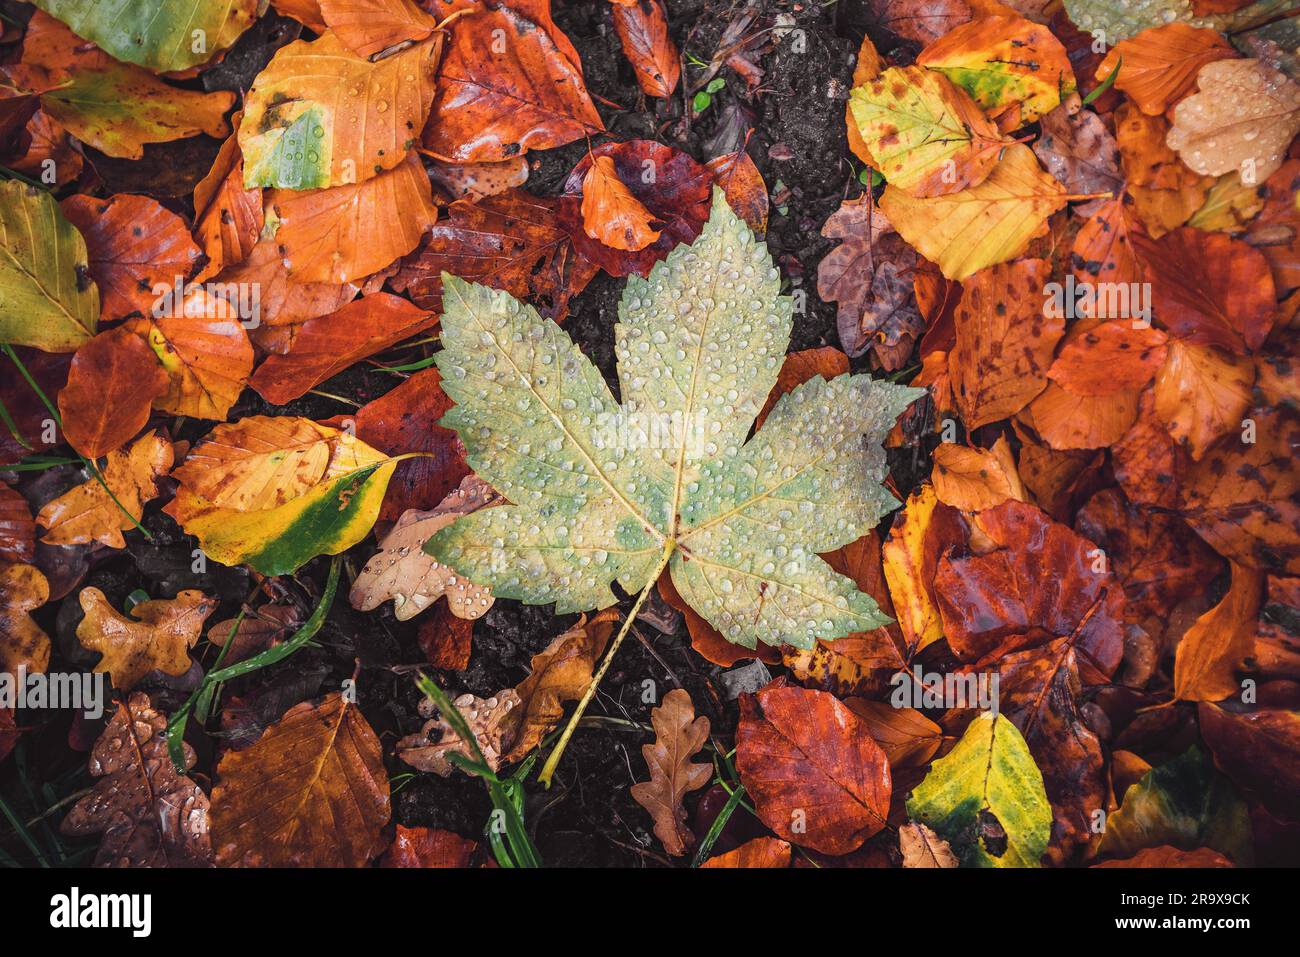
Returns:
point(17, 530)
point(507, 83)
point(157, 635)
point(489, 720)
point(413, 579)
point(1216, 647)
point(765, 852)
point(1165, 857)
point(921, 847)
point(1258, 751)
point(1004, 341)
point(112, 383)
point(88, 514)
point(908, 738)
point(511, 241)
point(428, 847)
point(135, 244)
point(1040, 582)
point(816, 776)
point(23, 644)
point(743, 186)
point(1079, 151)
point(475, 181)
point(679, 736)
point(1202, 394)
point(326, 345)
point(312, 792)
point(642, 28)
point(610, 213)
point(150, 815)
point(920, 20)
point(1276, 231)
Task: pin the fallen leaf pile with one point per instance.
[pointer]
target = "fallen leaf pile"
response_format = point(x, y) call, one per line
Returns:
point(884, 462)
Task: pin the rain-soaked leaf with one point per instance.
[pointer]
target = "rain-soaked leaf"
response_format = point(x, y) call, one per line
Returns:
point(155, 635)
point(664, 478)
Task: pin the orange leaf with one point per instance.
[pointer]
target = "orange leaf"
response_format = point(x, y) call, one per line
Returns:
point(973, 479)
point(760, 852)
point(427, 847)
point(922, 533)
point(327, 345)
point(227, 217)
point(1114, 356)
point(1202, 394)
point(17, 530)
point(135, 244)
point(1160, 64)
point(369, 27)
point(112, 383)
point(1218, 644)
point(610, 213)
point(816, 776)
point(155, 636)
point(642, 29)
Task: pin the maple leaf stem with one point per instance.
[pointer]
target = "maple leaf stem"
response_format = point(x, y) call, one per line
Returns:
point(548, 769)
point(58, 419)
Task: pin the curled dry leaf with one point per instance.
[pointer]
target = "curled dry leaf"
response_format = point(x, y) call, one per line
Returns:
point(610, 213)
point(312, 792)
point(679, 736)
point(766, 852)
point(921, 847)
point(23, 589)
point(150, 814)
point(817, 777)
point(156, 635)
point(489, 720)
point(88, 513)
point(413, 579)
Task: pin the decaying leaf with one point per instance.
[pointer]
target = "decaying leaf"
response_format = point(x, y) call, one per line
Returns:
point(312, 791)
point(155, 635)
point(412, 578)
point(150, 814)
point(23, 589)
point(921, 847)
point(679, 736)
point(488, 718)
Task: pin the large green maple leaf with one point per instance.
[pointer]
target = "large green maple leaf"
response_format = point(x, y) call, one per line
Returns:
point(602, 491)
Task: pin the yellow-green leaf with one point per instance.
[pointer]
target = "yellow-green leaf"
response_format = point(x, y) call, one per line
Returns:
point(1004, 63)
point(47, 299)
point(328, 489)
point(161, 35)
point(928, 137)
point(981, 226)
point(601, 491)
point(986, 798)
point(320, 115)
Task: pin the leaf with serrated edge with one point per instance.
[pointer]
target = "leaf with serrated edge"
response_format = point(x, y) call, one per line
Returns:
point(600, 490)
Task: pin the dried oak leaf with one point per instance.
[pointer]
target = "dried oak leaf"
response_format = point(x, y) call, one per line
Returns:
point(493, 103)
point(1038, 583)
point(135, 245)
point(921, 847)
point(23, 589)
point(679, 736)
point(312, 792)
point(490, 721)
point(1005, 341)
point(510, 241)
point(764, 852)
point(150, 814)
point(816, 775)
point(88, 513)
point(610, 213)
point(1242, 120)
point(112, 384)
point(156, 635)
point(413, 579)
point(428, 847)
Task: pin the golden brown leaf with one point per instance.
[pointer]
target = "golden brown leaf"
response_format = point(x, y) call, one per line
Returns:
point(1217, 645)
point(23, 589)
point(156, 635)
point(760, 852)
point(679, 736)
point(922, 847)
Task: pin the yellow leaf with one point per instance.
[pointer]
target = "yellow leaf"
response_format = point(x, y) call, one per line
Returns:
point(157, 635)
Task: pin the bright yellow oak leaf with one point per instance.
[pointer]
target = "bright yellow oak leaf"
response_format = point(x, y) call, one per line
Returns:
point(156, 635)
